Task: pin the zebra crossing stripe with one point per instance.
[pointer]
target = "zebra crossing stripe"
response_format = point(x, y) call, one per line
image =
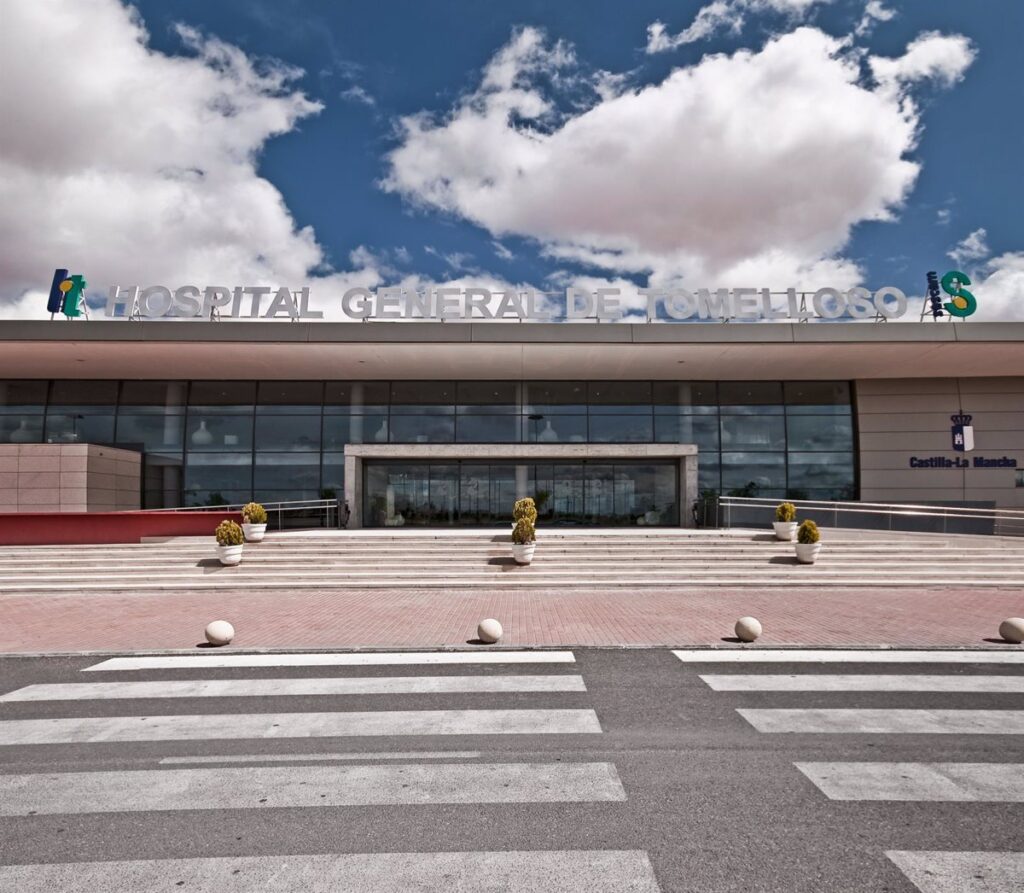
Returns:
point(363, 757)
point(940, 871)
point(934, 782)
point(88, 730)
point(348, 659)
point(567, 871)
point(307, 786)
point(895, 722)
point(827, 656)
point(262, 688)
point(865, 682)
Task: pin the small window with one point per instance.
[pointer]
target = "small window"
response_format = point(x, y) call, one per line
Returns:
point(1020, 477)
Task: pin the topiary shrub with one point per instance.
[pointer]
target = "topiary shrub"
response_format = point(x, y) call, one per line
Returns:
point(524, 532)
point(254, 513)
point(807, 534)
point(228, 533)
point(525, 508)
point(785, 512)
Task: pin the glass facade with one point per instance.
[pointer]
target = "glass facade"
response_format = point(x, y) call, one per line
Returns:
point(210, 442)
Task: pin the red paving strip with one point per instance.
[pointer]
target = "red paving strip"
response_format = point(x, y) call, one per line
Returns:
point(432, 618)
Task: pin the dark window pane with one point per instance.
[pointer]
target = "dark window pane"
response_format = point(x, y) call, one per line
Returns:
point(754, 474)
point(161, 396)
point(817, 396)
point(154, 432)
point(219, 433)
point(21, 429)
point(22, 396)
point(540, 428)
point(356, 397)
point(196, 496)
point(487, 429)
point(422, 429)
point(701, 430)
point(290, 397)
point(410, 394)
point(820, 432)
point(562, 396)
point(621, 429)
point(619, 397)
point(238, 395)
point(333, 475)
point(755, 397)
point(646, 494)
point(219, 472)
point(84, 393)
point(810, 471)
point(477, 397)
point(300, 432)
point(753, 432)
point(79, 428)
point(709, 474)
point(342, 429)
point(685, 393)
point(278, 471)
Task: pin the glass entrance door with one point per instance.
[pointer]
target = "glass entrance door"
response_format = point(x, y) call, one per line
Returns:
point(480, 494)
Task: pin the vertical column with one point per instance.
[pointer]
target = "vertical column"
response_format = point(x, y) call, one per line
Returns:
point(354, 489)
point(522, 481)
point(687, 489)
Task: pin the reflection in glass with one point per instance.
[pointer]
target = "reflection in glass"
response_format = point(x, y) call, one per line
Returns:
point(700, 430)
point(621, 429)
point(219, 433)
point(754, 474)
point(286, 397)
point(21, 429)
point(28, 397)
point(819, 432)
point(154, 432)
point(219, 471)
point(487, 429)
point(79, 428)
point(344, 397)
point(821, 471)
point(65, 395)
point(278, 471)
point(753, 432)
point(541, 428)
point(227, 396)
point(422, 429)
point(298, 432)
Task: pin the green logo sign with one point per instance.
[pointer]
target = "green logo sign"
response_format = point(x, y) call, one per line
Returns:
point(962, 303)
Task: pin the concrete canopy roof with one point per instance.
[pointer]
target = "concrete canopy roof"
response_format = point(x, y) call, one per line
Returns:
point(104, 349)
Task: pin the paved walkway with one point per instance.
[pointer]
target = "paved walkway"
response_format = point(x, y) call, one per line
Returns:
point(432, 618)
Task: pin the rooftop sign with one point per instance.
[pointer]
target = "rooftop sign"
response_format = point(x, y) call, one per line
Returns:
point(481, 304)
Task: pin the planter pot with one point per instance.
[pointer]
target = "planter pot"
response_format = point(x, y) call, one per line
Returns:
point(254, 532)
point(523, 554)
point(785, 530)
point(807, 553)
point(229, 555)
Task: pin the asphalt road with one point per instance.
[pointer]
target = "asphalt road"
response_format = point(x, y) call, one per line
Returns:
point(571, 784)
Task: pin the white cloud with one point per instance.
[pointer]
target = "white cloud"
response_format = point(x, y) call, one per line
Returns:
point(931, 56)
point(972, 248)
point(502, 251)
point(722, 15)
point(359, 96)
point(132, 166)
point(999, 288)
point(741, 170)
point(943, 216)
point(874, 12)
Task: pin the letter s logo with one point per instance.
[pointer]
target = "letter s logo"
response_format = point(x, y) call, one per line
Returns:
point(963, 303)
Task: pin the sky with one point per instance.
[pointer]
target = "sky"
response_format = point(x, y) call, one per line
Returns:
point(717, 144)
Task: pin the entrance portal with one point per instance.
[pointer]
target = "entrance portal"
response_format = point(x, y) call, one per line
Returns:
point(475, 493)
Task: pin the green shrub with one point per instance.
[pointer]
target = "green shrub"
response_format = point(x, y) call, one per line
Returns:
point(254, 513)
point(807, 533)
point(785, 511)
point(229, 534)
point(525, 508)
point(524, 532)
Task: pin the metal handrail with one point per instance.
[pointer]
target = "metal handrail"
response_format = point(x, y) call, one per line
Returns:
point(329, 506)
point(1010, 517)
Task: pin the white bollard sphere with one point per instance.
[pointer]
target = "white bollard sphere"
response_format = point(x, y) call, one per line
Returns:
point(220, 632)
point(489, 631)
point(1012, 629)
point(748, 629)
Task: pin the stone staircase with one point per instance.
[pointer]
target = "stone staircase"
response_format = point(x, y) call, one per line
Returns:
point(577, 559)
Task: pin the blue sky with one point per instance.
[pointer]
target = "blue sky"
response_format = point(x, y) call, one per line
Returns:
point(392, 203)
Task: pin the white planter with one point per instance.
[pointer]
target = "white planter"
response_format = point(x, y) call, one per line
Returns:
point(523, 554)
point(229, 555)
point(254, 532)
point(807, 553)
point(785, 530)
